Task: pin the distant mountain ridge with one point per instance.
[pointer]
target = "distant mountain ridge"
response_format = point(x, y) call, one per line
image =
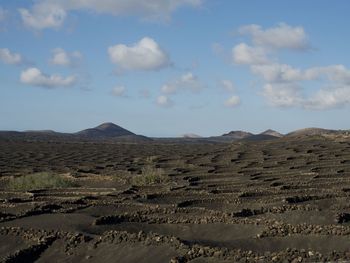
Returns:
point(191, 136)
point(41, 131)
point(113, 133)
point(106, 131)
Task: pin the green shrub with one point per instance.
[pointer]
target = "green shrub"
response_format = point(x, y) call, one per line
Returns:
point(150, 175)
point(39, 181)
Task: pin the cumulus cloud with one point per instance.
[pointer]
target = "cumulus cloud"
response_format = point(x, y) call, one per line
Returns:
point(247, 55)
point(143, 55)
point(217, 48)
point(118, 91)
point(187, 81)
point(62, 58)
point(276, 72)
point(144, 93)
point(8, 57)
point(227, 85)
point(43, 15)
point(281, 36)
point(34, 77)
point(164, 101)
point(327, 98)
point(147, 9)
point(282, 94)
point(285, 85)
point(290, 95)
point(3, 14)
point(233, 101)
point(52, 13)
point(334, 73)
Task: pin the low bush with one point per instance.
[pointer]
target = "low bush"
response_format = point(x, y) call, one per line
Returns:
point(39, 181)
point(150, 175)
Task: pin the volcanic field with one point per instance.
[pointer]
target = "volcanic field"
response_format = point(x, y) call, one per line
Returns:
point(270, 200)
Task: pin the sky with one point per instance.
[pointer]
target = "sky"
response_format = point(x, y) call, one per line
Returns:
point(172, 67)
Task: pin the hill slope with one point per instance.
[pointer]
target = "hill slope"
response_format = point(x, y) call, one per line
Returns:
point(311, 131)
point(238, 135)
point(105, 130)
point(272, 133)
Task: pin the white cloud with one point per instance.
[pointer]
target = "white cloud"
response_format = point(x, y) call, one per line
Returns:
point(334, 73)
point(244, 54)
point(164, 101)
point(276, 72)
point(52, 13)
point(43, 15)
point(7, 57)
point(118, 91)
point(144, 93)
point(217, 48)
point(233, 101)
point(282, 94)
point(281, 36)
point(3, 14)
point(143, 55)
point(34, 77)
point(147, 9)
point(227, 85)
point(283, 84)
point(62, 58)
point(285, 87)
point(332, 97)
point(169, 88)
point(187, 81)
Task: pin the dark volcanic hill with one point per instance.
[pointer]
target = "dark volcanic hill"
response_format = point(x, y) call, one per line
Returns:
point(238, 134)
point(105, 130)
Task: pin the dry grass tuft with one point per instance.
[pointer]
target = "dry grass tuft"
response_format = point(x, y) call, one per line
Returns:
point(150, 175)
point(39, 181)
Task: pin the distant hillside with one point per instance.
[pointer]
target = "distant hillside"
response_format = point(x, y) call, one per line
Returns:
point(272, 133)
point(110, 132)
point(260, 137)
point(246, 136)
point(238, 135)
point(191, 135)
point(312, 131)
point(105, 130)
point(34, 136)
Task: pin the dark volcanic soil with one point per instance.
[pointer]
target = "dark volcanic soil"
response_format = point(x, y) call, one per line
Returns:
point(285, 200)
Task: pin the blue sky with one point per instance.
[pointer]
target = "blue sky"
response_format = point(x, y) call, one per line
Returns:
point(170, 67)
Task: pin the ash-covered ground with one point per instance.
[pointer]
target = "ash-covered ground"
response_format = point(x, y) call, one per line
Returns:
point(284, 200)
